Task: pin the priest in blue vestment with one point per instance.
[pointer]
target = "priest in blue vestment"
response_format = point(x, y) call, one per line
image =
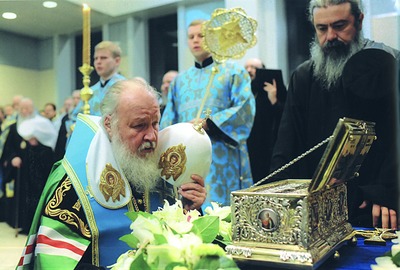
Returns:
point(232, 106)
point(107, 58)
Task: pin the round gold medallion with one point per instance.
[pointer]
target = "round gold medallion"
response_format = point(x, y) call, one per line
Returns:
point(23, 145)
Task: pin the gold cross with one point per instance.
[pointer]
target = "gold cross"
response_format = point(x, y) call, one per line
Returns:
point(377, 236)
point(199, 125)
point(207, 114)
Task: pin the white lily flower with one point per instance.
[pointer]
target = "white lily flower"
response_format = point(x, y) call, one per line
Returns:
point(187, 243)
point(225, 230)
point(159, 256)
point(385, 262)
point(192, 215)
point(124, 261)
point(166, 237)
point(384, 267)
point(216, 210)
point(175, 218)
point(144, 229)
point(171, 212)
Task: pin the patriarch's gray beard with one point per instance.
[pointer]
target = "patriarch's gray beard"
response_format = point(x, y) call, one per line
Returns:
point(141, 172)
point(330, 59)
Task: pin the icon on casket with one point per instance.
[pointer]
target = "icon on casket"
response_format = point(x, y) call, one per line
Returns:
point(269, 219)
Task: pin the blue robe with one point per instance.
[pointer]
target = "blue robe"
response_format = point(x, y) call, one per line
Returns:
point(98, 94)
point(232, 107)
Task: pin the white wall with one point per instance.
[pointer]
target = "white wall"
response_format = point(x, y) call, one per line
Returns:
point(386, 29)
point(186, 14)
point(271, 33)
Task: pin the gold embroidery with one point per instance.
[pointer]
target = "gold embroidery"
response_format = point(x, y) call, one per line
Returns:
point(63, 214)
point(142, 201)
point(111, 184)
point(87, 192)
point(77, 206)
point(173, 161)
point(146, 199)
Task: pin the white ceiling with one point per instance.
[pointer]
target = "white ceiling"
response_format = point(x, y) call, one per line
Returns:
point(35, 21)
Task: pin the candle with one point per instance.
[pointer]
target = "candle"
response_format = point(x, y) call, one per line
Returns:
point(86, 35)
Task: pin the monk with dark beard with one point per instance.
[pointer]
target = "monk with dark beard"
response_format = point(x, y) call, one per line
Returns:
point(347, 76)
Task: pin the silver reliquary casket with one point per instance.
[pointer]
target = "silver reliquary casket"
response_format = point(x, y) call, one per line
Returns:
point(298, 223)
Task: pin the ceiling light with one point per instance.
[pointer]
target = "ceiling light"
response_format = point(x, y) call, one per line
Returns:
point(9, 15)
point(49, 4)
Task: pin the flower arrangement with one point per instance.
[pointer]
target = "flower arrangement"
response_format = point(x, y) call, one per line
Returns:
point(391, 260)
point(174, 239)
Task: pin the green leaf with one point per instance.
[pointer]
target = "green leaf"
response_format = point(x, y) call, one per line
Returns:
point(155, 263)
point(228, 218)
point(215, 263)
point(172, 265)
point(160, 239)
point(131, 240)
point(133, 215)
point(396, 259)
point(227, 263)
point(139, 263)
point(147, 215)
point(206, 227)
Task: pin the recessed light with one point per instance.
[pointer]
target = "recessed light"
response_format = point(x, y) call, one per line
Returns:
point(9, 15)
point(50, 4)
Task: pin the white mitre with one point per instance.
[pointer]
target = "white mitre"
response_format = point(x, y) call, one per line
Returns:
point(183, 150)
point(40, 128)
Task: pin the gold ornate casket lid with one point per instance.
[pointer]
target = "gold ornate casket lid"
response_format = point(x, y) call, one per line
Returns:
point(344, 154)
point(283, 188)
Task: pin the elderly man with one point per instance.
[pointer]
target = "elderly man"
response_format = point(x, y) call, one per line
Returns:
point(347, 76)
point(110, 168)
point(27, 161)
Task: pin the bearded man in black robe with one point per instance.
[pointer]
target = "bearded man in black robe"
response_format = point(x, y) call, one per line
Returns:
point(346, 76)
